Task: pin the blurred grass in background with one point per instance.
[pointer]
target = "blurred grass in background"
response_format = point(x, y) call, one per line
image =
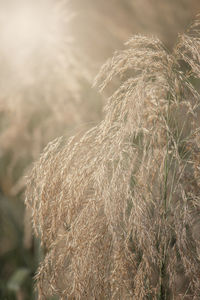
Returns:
point(45, 92)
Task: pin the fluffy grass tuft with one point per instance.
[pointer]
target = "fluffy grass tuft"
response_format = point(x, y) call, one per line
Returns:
point(117, 208)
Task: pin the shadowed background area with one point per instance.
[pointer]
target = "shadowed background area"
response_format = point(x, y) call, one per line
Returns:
point(50, 52)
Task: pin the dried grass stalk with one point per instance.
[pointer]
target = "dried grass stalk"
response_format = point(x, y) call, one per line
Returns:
point(117, 208)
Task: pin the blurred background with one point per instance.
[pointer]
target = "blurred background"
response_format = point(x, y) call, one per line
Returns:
point(50, 52)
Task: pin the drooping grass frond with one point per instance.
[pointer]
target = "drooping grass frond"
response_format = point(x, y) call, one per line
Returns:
point(117, 208)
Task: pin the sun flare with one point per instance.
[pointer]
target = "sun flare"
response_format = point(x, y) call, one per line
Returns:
point(30, 34)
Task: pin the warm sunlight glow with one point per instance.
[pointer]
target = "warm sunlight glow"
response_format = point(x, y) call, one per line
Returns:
point(30, 33)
